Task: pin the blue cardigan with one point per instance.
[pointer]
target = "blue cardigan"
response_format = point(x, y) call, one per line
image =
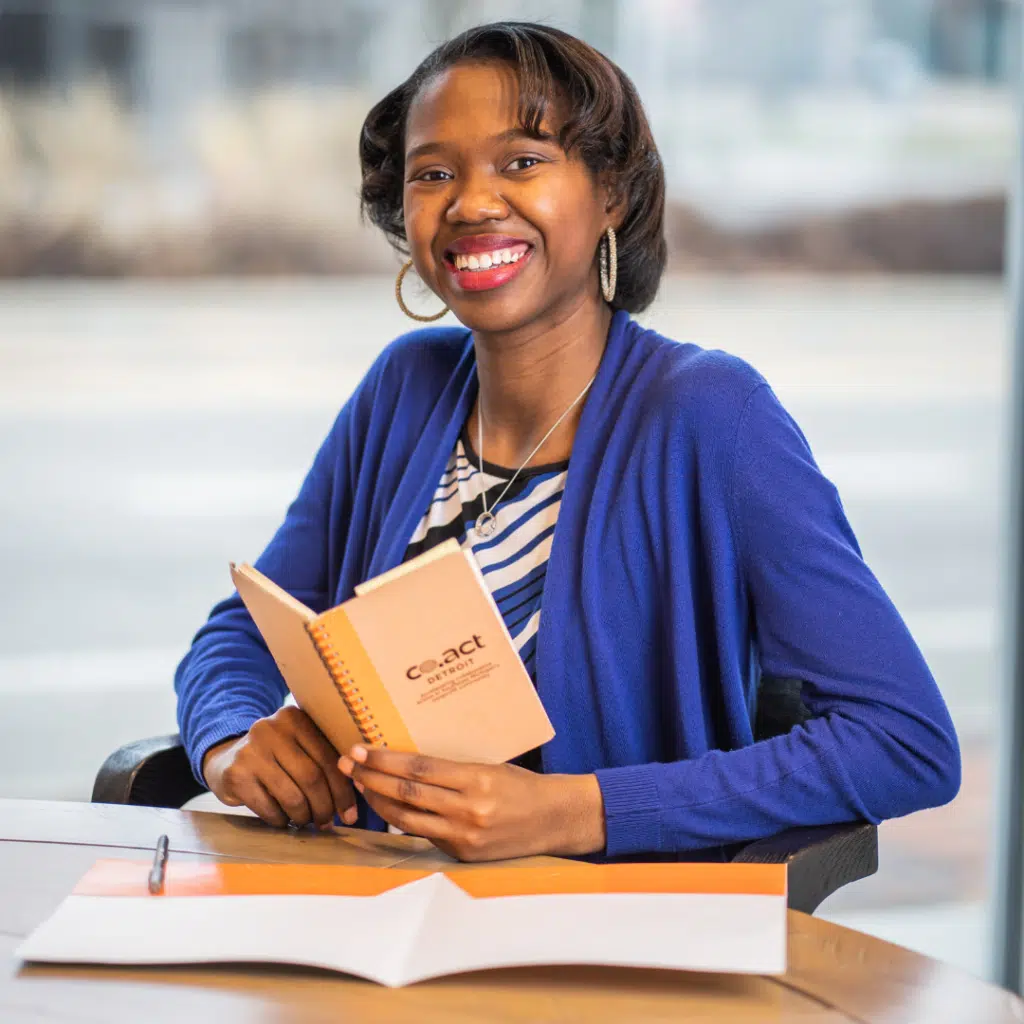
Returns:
point(697, 545)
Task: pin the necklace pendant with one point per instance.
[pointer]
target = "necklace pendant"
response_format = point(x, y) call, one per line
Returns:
point(485, 524)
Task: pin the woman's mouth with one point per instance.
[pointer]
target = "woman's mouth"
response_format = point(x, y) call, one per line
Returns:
point(478, 271)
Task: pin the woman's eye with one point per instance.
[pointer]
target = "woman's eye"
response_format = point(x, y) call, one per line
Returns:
point(432, 176)
point(524, 163)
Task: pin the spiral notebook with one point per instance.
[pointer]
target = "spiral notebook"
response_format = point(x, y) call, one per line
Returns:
point(419, 660)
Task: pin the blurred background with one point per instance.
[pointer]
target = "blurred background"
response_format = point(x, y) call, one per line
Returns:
point(187, 296)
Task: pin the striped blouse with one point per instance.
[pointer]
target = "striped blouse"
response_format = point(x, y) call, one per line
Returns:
point(514, 558)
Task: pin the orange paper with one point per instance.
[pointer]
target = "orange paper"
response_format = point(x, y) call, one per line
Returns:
point(241, 878)
point(748, 879)
point(413, 925)
point(208, 878)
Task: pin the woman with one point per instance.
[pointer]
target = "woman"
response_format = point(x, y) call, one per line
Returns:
point(697, 543)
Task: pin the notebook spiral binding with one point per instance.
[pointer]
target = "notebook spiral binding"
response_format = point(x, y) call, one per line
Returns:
point(342, 677)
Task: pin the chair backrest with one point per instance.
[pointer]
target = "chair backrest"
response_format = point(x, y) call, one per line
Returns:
point(780, 706)
point(153, 772)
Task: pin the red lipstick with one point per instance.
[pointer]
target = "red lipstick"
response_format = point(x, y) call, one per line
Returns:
point(481, 262)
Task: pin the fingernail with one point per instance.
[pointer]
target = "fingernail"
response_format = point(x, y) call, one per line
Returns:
point(359, 786)
point(345, 764)
point(358, 754)
point(350, 815)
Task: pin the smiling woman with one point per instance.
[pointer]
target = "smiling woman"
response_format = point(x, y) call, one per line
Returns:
point(650, 521)
point(545, 115)
point(467, 169)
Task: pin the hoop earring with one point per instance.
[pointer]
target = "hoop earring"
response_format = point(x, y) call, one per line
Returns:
point(405, 309)
point(608, 261)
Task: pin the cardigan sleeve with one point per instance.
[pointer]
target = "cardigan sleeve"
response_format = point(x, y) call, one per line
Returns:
point(228, 678)
point(880, 742)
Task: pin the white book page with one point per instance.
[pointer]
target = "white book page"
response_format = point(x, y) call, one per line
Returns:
point(422, 930)
point(362, 935)
point(683, 931)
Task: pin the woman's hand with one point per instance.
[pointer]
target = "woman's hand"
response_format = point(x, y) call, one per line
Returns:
point(480, 811)
point(284, 769)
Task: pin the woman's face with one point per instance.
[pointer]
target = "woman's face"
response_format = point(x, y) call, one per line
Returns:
point(504, 227)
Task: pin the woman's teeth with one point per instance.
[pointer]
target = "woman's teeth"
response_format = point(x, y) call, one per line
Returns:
point(486, 260)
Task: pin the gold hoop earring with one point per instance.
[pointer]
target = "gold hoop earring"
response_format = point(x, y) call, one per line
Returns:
point(608, 261)
point(405, 309)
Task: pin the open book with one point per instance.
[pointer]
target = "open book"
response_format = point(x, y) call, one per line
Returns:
point(419, 660)
point(413, 925)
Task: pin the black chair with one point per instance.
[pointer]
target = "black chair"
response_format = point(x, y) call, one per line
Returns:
point(155, 773)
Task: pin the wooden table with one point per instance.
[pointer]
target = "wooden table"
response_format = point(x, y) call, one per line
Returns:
point(835, 974)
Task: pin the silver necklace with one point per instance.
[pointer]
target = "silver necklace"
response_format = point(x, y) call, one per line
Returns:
point(486, 524)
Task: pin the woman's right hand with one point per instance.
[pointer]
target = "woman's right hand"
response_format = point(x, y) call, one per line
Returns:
point(284, 769)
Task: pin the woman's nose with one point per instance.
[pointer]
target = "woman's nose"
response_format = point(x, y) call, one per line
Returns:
point(476, 199)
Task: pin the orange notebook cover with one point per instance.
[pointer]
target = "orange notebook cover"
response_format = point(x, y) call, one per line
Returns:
point(419, 660)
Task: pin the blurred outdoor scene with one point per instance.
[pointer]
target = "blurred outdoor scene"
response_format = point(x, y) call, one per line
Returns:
point(187, 296)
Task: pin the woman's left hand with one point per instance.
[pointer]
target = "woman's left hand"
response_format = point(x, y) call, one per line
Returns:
point(480, 811)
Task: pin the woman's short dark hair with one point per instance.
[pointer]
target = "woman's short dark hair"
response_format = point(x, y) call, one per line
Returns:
point(605, 125)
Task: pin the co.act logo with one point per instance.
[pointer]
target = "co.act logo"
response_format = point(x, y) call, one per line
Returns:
point(451, 654)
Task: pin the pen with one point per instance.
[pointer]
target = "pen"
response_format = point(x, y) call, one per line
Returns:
point(159, 868)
